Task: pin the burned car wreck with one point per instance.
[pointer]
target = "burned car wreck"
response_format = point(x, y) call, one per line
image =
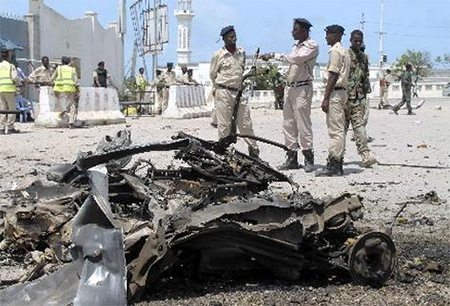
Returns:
point(124, 225)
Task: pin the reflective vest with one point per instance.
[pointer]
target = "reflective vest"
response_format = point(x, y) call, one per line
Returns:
point(141, 82)
point(64, 81)
point(6, 83)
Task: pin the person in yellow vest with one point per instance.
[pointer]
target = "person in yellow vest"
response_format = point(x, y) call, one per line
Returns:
point(141, 86)
point(8, 79)
point(66, 88)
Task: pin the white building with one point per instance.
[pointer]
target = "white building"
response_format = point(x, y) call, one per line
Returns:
point(184, 16)
point(51, 34)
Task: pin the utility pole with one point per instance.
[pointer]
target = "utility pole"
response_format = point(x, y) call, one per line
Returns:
point(362, 22)
point(380, 35)
point(155, 53)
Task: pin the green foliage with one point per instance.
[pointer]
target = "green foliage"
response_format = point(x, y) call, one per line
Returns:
point(128, 91)
point(267, 81)
point(444, 60)
point(419, 60)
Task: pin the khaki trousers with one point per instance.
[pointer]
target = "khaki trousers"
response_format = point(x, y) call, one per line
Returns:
point(165, 98)
point(225, 101)
point(383, 96)
point(297, 126)
point(71, 104)
point(7, 102)
point(336, 124)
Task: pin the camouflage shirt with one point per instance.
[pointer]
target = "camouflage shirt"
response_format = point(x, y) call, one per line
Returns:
point(406, 80)
point(358, 80)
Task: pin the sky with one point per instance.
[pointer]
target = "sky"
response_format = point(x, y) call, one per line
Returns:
point(419, 25)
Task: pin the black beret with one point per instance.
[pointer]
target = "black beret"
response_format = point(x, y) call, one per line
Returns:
point(303, 21)
point(226, 30)
point(335, 28)
point(65, 59)
point(169, 64)
point(101, 63)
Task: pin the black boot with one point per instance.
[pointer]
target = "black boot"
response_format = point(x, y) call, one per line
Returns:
point(291, 161)
point(333, 168)
point(309, 160)
point(253, 152)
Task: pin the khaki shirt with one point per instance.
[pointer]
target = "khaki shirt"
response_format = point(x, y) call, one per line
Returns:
point(186, 80)
point(339, 62)
point(226, 68)
point(302, 58)
point(169, 77)
point(41, 74)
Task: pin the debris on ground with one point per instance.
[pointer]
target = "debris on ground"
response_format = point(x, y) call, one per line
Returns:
point(214, 214)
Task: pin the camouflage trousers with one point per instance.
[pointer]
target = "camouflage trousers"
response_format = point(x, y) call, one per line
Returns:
point(406, 98)
point(354, 114)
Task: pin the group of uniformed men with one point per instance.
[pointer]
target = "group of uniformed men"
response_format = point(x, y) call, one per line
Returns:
point(162, 82)
point(344, 102)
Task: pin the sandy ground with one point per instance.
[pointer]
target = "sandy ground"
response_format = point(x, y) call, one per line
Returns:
point(420, 141)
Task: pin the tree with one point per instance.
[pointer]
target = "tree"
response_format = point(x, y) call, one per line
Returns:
point(444, 60)
point(420, 62)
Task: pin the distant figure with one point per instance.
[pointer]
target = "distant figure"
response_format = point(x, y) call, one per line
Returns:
point(42, 75)
point(187, 78)
point(66, 89)
point(158, 84)
point(358, 88)
point(170, 79)
point(101, 76)
point(334, 100)
point(8, 80)
point(297, 125)
point(385, 82)
point(406, 82)
point(141, 84)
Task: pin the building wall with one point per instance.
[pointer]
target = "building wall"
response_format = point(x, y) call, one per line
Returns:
point(16, 30)
point(83, 38)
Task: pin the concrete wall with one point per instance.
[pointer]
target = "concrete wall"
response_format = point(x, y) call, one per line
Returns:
point(16, 30)
point(85, 38)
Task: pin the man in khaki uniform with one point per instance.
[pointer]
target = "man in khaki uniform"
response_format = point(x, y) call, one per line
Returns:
point(8, 80)
point(297, 125)
point(187, 79)
point(158, 85)
point(170, 79)
point(66, 89)
point(226, 73)
point(335, 99)
point(385, 82)
point(42, 75)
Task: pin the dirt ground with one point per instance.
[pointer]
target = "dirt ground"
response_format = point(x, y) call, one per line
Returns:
point(415, 159)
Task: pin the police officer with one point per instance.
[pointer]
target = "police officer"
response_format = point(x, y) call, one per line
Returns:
point(406, 82)
point(8, 80)
point(334, 100)
point(66, 88)
point(170, 79)
point(226, 73)
point(158, 84)
point(297, 126)
point(358, 88)
point(385, 82)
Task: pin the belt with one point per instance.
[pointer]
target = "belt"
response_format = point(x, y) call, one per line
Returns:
point(340, 88)
point(298, 83)
point(227, 87)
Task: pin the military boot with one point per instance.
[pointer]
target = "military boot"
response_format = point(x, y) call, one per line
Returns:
point(333, 168)
point(368, 160)
point(253, 152)
point(291, 161)
point(309, 160)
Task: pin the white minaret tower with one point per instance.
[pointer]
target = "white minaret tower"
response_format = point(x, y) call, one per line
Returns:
point(184, 14)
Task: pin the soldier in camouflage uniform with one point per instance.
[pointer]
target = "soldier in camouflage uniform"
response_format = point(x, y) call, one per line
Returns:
point(406, 81)
point(358, 88)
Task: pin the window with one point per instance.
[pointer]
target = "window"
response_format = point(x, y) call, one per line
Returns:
point(396, 88)
point(439, 87)
point(428, 87)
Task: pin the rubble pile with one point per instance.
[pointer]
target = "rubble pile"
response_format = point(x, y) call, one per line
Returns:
point(124, 226)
